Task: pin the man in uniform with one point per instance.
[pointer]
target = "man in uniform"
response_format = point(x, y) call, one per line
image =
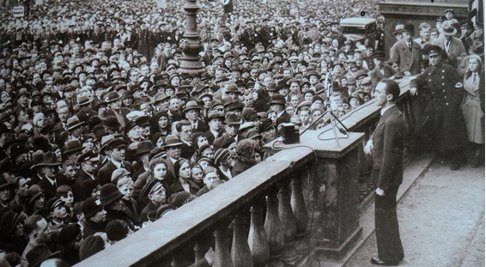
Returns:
point(446, 93)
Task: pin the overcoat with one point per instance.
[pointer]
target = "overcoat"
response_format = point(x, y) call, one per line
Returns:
point(442, 85)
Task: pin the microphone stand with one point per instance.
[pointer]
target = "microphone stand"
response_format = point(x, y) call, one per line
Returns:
point(343, 131)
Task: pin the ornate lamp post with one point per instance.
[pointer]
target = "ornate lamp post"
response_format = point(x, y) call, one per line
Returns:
point(191, 44)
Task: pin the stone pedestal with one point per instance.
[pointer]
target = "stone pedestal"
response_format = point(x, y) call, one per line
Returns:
point(333, 202)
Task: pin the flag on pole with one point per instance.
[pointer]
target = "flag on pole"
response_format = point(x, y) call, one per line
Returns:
point(227, 5)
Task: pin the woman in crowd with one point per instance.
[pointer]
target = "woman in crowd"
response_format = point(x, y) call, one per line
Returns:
point(473, 107)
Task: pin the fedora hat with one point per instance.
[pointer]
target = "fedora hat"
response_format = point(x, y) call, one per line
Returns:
point(84, 100)
point(477, 48)
point(172, 140)
point(38, 254)
point(72, 146)
point(91, 206)
point(222, 78)
point(49, 159)
point(105, 140)
point(233, 105)
point(399, 28)
point(144, 147)
point(448, 29)
point(232, 88)
point(231, 119)
point(109, 194)
point(74, 122)
point(191, 105)
point(112, 97)
point(111, 123)
point(277, 100)
point(215, 115)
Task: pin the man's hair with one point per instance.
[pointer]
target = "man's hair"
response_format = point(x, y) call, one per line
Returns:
point(182, 123)
point(30, 223)
point(392, 88)
point(63, 190)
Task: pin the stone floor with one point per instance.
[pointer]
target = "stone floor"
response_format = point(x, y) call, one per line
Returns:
point(441, 219)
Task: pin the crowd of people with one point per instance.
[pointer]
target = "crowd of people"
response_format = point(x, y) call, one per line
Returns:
point(101, 133)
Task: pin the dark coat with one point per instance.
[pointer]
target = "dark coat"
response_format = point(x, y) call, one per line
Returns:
point(388, 142)
point(438, 84)
point(104, 173)
point(388, 149)
point(240, 167)
point(407, 59)
point(284, 118)
point(83, 186)
point(223, 141)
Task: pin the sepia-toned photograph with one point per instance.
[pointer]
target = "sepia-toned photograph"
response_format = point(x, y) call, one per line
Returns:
point(242, 133)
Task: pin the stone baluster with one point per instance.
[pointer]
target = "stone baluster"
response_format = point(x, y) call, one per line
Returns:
point(257, 239)
point(198, 253)
point(298, 205)
point(222, 257)
point(273, 227)
point(240, 251)
point(285, 213)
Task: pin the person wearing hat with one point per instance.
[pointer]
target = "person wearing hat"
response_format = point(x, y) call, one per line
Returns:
point(111, 199)
point(6, 192)
point(215, 120)
point(223, 161)
point(451, 45)
point(113, 100)
point(11, 229)
point(86, 176)
point(47, 171)
point(443, 123)
point(381, 70)
point(191, 113)
point(115, 151)
point(173, 148)
point(475, 50)
point(76, 127)
point(95, 216)
point(58, 214)
point(406, 53)
point(143, 153)
point(277, 105)
point(231, 127)
point(399, 28)
point(85, 111)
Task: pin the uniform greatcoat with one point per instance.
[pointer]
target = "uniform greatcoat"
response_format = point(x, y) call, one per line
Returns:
point(444, 105)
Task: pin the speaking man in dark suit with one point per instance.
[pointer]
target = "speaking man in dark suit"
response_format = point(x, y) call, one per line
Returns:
point(386, 148)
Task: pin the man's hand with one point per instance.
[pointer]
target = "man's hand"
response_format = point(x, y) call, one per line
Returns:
point(380, 192)
point(368, 149)
point(413, 91)
point(210, 256)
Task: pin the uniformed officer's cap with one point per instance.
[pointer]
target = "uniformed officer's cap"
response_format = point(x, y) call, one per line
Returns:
point(432, 50)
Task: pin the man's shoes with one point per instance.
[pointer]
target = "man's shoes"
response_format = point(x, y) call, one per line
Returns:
point(378, 261)
point(455, 166)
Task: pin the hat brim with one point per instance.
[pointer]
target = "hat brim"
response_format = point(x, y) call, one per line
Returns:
point(76, 125)
point(453, 33)
point(173, 144)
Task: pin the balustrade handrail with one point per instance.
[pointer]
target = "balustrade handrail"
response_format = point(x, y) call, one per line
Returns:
point(191, 219)
point(187, 222)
